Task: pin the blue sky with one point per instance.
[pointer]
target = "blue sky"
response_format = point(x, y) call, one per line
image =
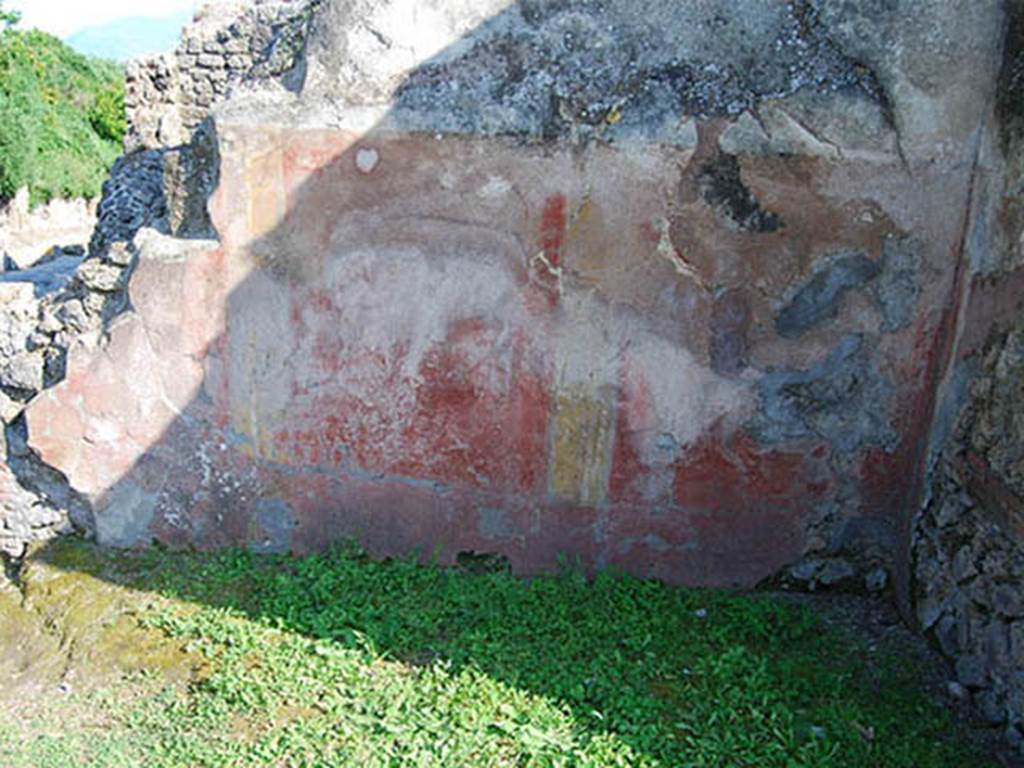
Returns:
point(65, 17)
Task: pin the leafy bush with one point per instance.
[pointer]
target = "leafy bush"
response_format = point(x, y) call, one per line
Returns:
point(15, 137)
point(61, 117)
point(107, 113)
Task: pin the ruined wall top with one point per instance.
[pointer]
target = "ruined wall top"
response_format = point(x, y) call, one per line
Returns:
point(227, 43)
point(618, 68)
point(607, 69)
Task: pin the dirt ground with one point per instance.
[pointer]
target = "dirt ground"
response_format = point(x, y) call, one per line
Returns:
point(876, 621)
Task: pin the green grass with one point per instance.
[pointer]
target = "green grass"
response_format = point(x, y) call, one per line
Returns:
point(61, 117)
point(338, 660)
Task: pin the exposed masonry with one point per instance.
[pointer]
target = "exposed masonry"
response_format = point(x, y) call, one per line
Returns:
point(636, 80)
point(611, 70)
point(167, 97)
point(542, 69)
point(968, 540)
point(66, 299)
point(969, 558)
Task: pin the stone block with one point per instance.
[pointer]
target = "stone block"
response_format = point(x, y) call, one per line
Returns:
point(237, 45)
point(211, 61)
point(97, 276)
point(23, 371)
point(10, 409)
point(121, 254)
point(972, 671)
point(1007, 600)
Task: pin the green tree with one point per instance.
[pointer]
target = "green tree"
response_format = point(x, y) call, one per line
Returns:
point(61, 117)
point(17, 148)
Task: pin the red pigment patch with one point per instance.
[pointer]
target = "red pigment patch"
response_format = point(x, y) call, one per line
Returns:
point(649, 234)
point(477, 424)
point(888, 479)
point(627, 466)
point(552, 229)
point(715, 474)
point(321, 300)
point(543, 292)
point(329, 351)
point(471, 420)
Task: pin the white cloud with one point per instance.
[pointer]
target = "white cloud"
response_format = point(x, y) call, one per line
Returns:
point(65, 17)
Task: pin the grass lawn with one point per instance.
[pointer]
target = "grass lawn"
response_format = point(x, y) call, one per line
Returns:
point(338, 660)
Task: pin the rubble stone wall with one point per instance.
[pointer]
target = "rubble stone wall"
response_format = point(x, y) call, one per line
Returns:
point(969, 537)
point(168, 96)
point(69, 298)
point(63, 302)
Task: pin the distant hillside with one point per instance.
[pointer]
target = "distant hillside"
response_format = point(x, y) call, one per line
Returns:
point(61, 117)
point(126, 38)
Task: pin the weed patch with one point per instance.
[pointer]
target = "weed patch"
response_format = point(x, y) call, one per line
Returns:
point(339, 660)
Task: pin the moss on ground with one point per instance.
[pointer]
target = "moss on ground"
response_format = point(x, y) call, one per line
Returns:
point(72, 623)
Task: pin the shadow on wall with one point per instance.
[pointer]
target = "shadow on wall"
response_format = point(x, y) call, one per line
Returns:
point(530, 311)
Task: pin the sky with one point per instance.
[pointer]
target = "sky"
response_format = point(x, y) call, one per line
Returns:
point(65, 17)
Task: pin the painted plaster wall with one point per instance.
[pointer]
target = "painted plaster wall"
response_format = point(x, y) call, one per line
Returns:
point(968, 536)
point(465, 344)
point(539, 279)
